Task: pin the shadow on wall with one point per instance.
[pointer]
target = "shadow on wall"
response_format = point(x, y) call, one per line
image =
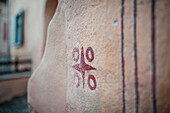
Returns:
point(50, 9)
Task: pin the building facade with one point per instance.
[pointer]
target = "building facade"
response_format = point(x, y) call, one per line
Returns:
point(23, 30)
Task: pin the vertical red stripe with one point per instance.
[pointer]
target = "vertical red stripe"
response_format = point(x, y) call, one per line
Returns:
point(153, 57)
point(4, 31)
point(135, 56)
point(122, 57)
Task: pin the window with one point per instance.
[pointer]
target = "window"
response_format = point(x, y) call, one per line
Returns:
point(18, 28)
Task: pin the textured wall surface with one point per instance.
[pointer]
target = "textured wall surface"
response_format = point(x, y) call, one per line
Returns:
point(105, 56)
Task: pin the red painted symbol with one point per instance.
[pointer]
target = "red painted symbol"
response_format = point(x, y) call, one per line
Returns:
point(78, 80)
point(94, 81)
point(82, 67)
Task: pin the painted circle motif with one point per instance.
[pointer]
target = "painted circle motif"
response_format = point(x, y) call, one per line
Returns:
point(89, 49)
point(76, 58)
point(78, 78)
point(91, 77)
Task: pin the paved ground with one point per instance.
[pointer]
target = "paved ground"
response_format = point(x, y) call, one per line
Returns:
point(16, 105)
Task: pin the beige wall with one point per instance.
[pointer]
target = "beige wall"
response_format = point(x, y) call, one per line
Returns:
point(57, 85)
point(33, 29)
point(12, 87)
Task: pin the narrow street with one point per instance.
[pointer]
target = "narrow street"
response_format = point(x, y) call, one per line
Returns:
point(16, 105)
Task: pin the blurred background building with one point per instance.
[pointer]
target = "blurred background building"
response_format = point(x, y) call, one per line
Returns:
point(23, 30)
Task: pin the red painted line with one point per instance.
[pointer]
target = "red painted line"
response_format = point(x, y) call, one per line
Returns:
point(122, 57)
point(153, 40)
point(135, 56)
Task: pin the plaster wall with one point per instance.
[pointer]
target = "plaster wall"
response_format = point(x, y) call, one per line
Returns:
point(103, 58)
point(33, 38)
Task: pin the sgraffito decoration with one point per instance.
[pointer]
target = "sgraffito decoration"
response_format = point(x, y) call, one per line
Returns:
point(82, 67)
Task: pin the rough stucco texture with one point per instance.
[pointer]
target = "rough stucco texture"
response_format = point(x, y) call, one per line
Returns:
point(81, 70)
